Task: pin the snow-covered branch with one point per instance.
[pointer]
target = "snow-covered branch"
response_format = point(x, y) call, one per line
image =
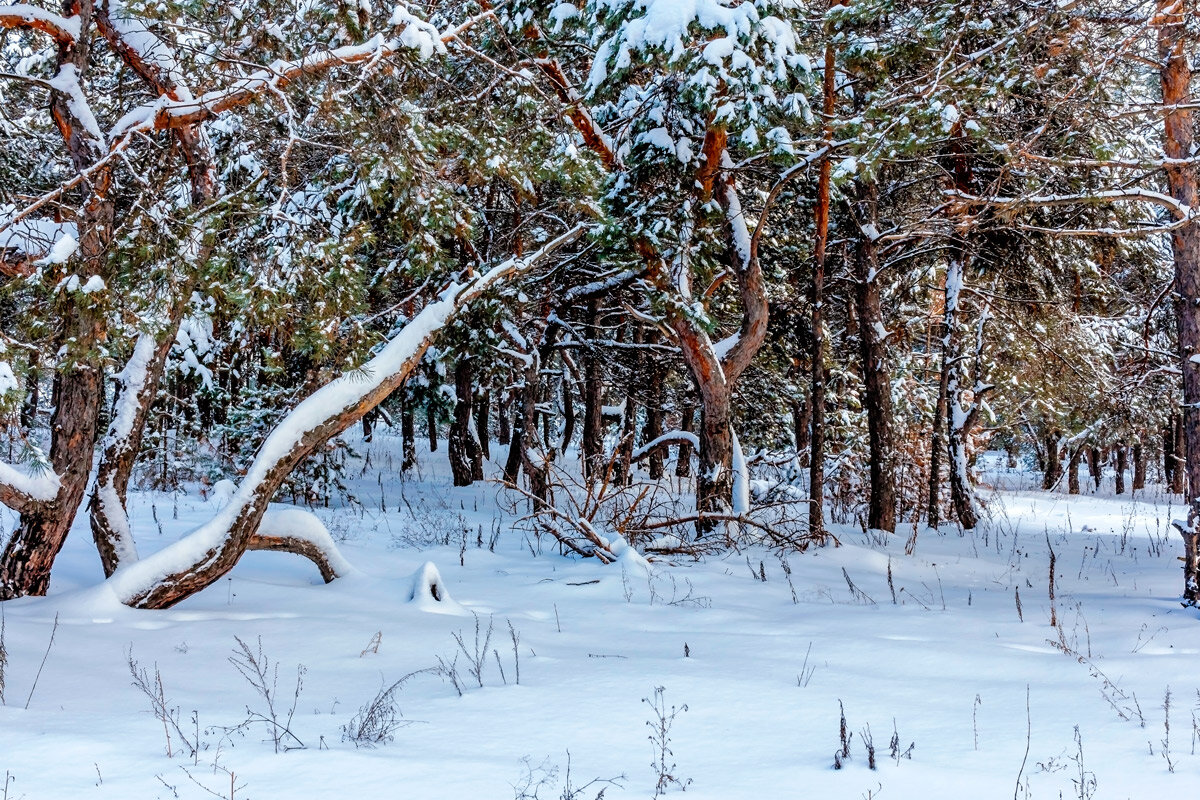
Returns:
point(20, 490)
point(1179, 210)
point(20, 15)
point(166, 113)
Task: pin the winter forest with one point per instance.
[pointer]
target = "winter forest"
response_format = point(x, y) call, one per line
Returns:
point(599, 398)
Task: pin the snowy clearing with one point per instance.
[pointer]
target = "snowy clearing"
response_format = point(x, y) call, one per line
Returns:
point(941, 659)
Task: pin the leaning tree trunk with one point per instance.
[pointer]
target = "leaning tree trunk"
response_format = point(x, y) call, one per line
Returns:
point(204, 556)
point(1073, 470)
point(1175, 60)
point(877, 383)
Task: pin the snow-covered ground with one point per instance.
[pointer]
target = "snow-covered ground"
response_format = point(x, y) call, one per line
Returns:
point(985, 698)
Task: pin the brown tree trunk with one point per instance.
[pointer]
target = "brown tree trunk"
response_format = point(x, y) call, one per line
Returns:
point(877, 384)
point(801, 419)
point(483, 414)
point(408, 435)
point(503, 420)
point(1053, 473)
point(1073, 470)
point(683, 455)
point(1175, 59)
point(461, 444)
point(816, 457)
point(593, 403)
point(1168, 453)
point(78, 384)
point(1139, 464)
point(654, 413)
point(1122, 463)
point(431, 423)
point(1179, 450)
point(1096, 466)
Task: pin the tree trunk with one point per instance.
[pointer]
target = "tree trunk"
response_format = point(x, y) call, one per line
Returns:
point(503, 420)
point(1175, 61)
point(1096, 466)
point(877, 384)
point(78, 383)
point(461, 443)
point(408, 435)
point(816, 456)
point(1122, 463)
point(593, 403)
point(1139, 464)
point(654, 413)
point(483, 414)
point(1179, 451)
point(801, 419)
point(683, 455)
point(431, 423)
point(1073, 470)
point(1053, 473)
point(1168, 453)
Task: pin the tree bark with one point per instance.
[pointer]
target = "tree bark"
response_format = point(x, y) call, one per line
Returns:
point(1096, 465)
point(1073, 470)
point(654, 413)
point(877, 384)
point(408, 435)
point(1139, 464)
point(78, 383)
point(1175, 59)
point(683, 455)
point(483, 414)
point(461, 444)
point(593, 401)
point(1053, 473)
point(816, 457)
point(1179, 451)
point(1122, 463)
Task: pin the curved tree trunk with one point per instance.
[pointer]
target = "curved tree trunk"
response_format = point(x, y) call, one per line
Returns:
point(204, 556)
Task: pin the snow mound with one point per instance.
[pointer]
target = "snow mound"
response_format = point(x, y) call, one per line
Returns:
point(429, 592)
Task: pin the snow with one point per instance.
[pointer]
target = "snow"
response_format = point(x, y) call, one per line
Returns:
point(36, 238)
point(68, 25)
point(67, 82)
point(92, 285)
point(8, 381)
point(766, 674)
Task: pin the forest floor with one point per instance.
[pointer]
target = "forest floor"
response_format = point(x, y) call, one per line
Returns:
point(984, 697)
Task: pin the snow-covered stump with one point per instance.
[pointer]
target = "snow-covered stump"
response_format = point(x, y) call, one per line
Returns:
point(1189, 529)
point(429, 592)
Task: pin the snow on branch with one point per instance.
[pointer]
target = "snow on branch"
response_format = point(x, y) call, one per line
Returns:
point(1179, 210)
point(64, 30)
point(166, 113)
point(20, 490)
